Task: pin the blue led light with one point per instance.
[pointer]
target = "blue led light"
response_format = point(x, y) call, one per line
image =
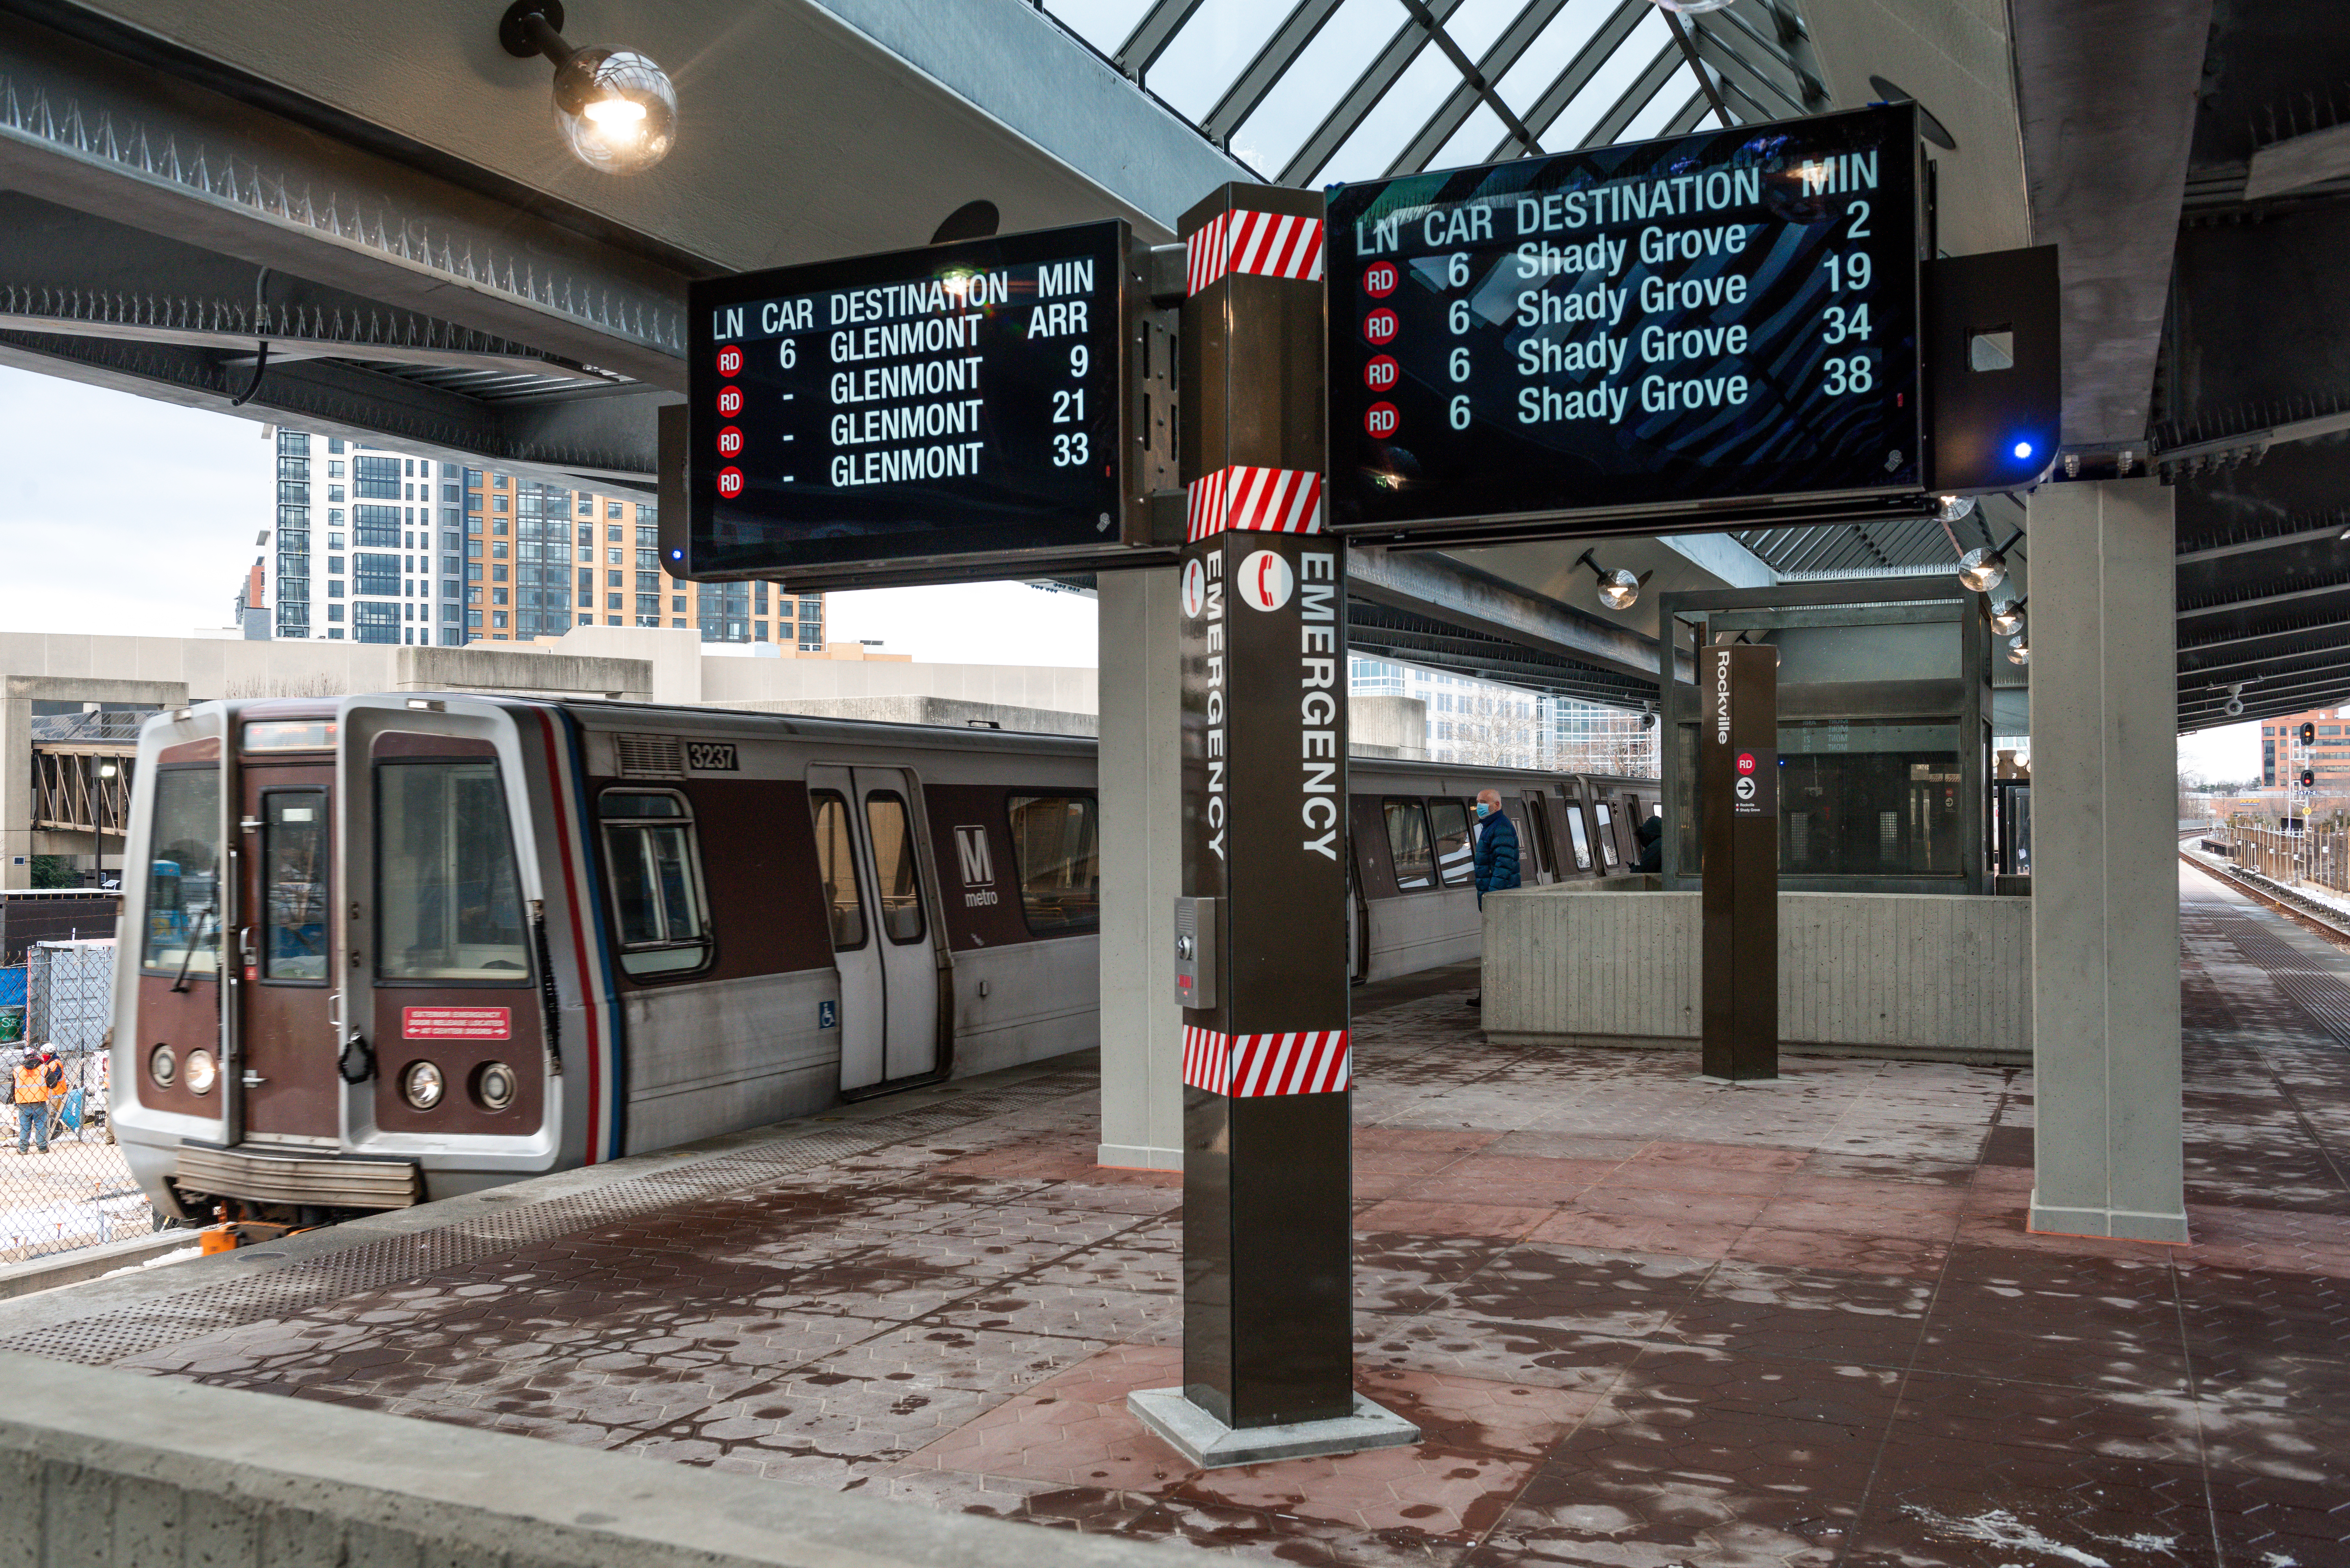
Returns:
point(2022, 449)
point(676, 554)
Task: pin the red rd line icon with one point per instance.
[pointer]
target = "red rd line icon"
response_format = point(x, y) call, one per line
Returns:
point(1382, 419)
point(730, 360)
point(1745, 762)
point(730, 400)
point(729, 483)
point(1382, 373)
point(1379, 280)
point(730, 442)
point(1381, 326)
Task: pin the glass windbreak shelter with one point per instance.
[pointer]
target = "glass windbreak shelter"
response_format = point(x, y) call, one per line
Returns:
point(1885, 731)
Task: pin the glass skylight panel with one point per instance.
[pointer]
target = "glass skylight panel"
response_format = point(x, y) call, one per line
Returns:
point(1475, 141)
point(1211, 50)
point(1670, 98)
point(1323, 72)
point(1606, 85)
point(1104, 24)
point(1475, 23)
point(1393, 122)
point(1551, 52)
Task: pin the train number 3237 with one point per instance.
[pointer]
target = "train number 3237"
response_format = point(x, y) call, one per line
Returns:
point(710, 757)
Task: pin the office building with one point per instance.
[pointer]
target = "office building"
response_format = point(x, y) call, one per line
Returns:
point(2327, 757)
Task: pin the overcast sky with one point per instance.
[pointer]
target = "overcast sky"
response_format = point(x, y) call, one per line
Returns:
point(121, 514)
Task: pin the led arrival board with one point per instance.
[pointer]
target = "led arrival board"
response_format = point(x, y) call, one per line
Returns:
point(915, 410)
point(1710, 325)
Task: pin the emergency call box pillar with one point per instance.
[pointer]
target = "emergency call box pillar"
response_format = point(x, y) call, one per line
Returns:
point(1268, 1321)
point(1738, 779)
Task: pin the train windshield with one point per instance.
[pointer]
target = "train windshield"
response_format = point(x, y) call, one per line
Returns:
point(448, 893)
point(184, 878)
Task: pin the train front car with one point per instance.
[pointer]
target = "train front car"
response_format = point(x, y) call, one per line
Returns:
point(353, 985)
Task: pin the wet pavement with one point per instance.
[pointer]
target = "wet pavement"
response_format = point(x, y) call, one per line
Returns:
point(1643, 1320)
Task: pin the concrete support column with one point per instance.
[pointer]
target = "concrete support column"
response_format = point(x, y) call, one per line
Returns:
point(1141, 871)
point(2104, 873)
point(15, 786)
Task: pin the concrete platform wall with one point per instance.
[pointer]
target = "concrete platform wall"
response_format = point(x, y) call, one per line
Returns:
point(111, 1469)
point(1947, 977)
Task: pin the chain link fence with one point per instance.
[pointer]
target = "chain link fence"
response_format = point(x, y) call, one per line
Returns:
point(2318, 853)
point(63, 1183)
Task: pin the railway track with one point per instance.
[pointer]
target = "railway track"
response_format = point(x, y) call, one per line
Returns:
point(2326, 920)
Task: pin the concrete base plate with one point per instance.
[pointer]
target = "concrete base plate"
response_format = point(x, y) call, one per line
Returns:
point(1740, 1083)
point(1210, 1444)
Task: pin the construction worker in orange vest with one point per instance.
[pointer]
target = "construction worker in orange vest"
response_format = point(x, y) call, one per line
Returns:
point(40, 1078)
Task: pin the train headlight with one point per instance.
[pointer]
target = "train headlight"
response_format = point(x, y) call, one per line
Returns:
point(494, 1085)
point(203, 1071)
point(422, 1084)
point(162, 1066)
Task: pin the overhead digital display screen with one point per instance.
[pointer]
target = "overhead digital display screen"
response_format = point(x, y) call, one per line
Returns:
point(1685, 324)
point(962, 401)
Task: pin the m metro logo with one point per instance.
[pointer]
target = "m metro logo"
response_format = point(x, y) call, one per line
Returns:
point(978, 867)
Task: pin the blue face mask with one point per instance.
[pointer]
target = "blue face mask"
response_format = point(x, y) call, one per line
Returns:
point(1483, 810)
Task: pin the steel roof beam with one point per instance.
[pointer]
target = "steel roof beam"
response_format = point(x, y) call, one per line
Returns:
point(2257, 600)
point(1603, 43)
point(2324, 531)
point(1479, 86)
point(93, 132)
point(1151, 35)
point(1636, 97)
point(1435, 586)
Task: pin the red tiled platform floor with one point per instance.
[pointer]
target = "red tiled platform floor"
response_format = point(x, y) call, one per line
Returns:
point(1643, 1320)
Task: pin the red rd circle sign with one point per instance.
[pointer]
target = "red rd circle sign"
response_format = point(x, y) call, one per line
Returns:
point(730, 400)
point(1381, 326)
point(1745, 762)
point(1382, 373)
point(730, 360)
point(729, 483)
point(1380, 279)
point(1382, 419)
point(730, 442)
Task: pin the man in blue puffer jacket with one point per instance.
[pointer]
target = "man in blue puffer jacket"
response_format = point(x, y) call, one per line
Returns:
point(1496, 855)
point(1497, 847)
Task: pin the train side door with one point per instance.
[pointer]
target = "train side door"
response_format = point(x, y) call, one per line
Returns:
point(290, 1087)
point(873, 889)
point(1535, 838)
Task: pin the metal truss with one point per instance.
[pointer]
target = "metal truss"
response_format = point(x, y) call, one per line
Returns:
point(70, 792)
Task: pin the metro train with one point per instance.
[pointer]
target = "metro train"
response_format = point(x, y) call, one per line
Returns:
point(396, 948)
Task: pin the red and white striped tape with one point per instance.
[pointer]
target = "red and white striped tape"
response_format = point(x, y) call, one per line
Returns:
point(1268, 244)
point(1267, 500)
point(1318, 1061)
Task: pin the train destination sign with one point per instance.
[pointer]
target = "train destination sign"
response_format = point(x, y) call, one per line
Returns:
point(1695, 326)
point(961, 401)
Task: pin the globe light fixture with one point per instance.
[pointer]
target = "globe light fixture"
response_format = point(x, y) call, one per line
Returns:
point(1692, 7)
point(1949, 509)
point(1618, 590)
point(2019, 649)
point(2007, 616)
point(617, 109)
point(1983, 569)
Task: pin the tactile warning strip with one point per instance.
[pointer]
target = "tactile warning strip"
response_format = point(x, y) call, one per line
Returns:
point(2322, 998)
point(107, 1337)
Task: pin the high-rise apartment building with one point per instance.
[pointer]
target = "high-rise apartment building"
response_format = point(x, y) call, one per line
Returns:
point(367, 543)
point(2283, 755)
point(1487, 724)
point(378, 545)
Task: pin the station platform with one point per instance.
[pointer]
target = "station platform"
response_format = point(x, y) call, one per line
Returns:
point(1643, 1320)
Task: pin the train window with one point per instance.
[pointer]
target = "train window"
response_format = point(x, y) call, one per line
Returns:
point(1606, 822)
point(1455, 853)
point(294, 850)
point(1056, 850)
point(1415, 867)
point(184, 879)
point(448, 891)
point(657, 895)
point(835, 858)
point(896, 878)
point(1537, 832)
point(1579, 841)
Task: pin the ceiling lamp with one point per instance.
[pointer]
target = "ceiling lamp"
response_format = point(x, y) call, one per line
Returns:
point(1949, 509)
point(1983, 569)
point(1618, 590)
point(2007, 616)
point(2019, 649)
point(619, 109)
